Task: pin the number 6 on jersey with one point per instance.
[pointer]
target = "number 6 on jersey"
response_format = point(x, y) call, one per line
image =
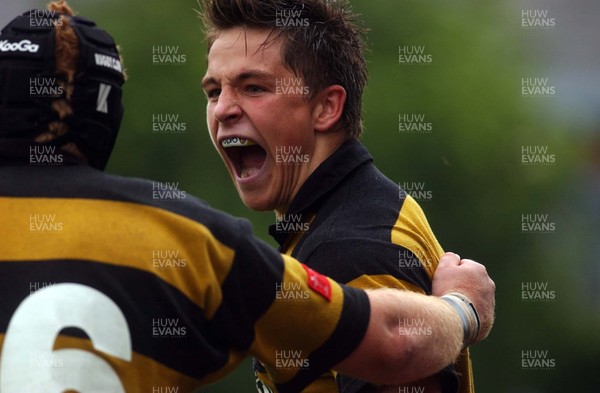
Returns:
point(32, 332)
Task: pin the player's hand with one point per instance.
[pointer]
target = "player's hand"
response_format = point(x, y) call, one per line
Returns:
point(472, 280)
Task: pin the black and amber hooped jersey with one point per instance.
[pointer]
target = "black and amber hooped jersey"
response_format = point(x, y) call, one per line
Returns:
point(114, 284)
point(351, 223)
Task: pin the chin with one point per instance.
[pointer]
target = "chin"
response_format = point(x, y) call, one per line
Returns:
point(257, 203)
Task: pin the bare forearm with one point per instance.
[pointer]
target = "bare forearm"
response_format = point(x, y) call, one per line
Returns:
point(389, 355)
point(410, 336)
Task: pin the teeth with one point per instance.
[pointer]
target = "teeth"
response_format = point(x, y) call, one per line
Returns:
point(233, 142)
point(247, 172)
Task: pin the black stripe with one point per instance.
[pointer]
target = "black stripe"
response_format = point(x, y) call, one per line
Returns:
point(347, 259)
point(81, 181)
point(249, 289)
point(142, 297)
point(349, 330)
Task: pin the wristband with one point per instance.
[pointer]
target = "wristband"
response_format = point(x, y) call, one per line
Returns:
point(468, 316)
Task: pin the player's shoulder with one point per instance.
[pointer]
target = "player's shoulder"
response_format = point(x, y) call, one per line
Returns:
point(171, 197)
point(365, 195)
point(363, 209)
point(86, 183)
point(83, 182)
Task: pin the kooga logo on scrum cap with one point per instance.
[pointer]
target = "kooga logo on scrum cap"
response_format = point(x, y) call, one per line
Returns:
point(23, 46)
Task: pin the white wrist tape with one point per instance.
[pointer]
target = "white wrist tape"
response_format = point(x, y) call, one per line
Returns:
point(467, 313)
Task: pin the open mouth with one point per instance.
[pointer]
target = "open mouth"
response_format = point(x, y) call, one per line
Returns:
point(246, 156)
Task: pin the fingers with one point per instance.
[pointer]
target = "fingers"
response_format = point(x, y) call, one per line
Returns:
point(453, 259)
point(449, 259)
point(471, 279)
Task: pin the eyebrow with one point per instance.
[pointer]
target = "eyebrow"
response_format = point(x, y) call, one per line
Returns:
point(240, 77)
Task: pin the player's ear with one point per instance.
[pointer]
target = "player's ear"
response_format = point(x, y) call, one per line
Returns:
point(329, 107)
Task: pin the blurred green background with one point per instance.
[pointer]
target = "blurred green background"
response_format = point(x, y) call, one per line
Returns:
point(471, 161)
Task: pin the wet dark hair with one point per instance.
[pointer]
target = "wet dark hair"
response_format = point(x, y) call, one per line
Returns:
point(323, 43)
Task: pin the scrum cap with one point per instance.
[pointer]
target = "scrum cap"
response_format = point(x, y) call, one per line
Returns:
point(28, 64)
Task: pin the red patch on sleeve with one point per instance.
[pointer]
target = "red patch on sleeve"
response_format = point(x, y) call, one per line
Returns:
point(318, 283)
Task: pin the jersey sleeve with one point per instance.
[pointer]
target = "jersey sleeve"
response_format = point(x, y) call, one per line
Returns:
point(366, 263)
point(310, 323)
point(369, 264)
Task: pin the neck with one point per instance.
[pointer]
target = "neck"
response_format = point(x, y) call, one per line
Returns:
point(325, 145)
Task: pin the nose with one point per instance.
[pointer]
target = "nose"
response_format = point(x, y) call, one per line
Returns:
point(227, 108)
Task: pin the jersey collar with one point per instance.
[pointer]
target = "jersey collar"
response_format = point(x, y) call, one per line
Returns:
point(349, 156)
